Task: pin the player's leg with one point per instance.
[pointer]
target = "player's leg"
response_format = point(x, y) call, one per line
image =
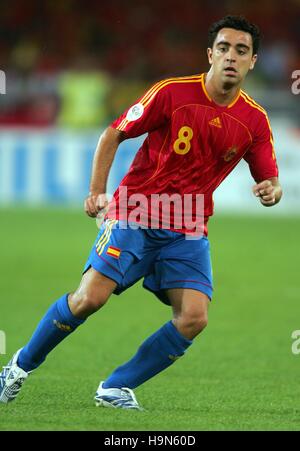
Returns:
point(113, 253)
point(61, 319)
point(186, 285)
point(190, 310)
point(167, 344)
point(64, 316)
point(92, 293)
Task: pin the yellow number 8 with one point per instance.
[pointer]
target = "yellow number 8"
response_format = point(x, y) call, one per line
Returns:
point(183, 144)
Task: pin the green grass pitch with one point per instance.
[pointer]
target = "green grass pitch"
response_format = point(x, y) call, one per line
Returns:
point(240, 374)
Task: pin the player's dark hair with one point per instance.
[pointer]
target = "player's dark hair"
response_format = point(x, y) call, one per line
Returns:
point(238, 23)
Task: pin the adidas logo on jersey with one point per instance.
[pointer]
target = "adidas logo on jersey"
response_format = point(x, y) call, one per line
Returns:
point(216, 122)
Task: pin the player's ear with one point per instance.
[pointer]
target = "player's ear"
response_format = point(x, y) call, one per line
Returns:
point(253, 61)
point(209, 55)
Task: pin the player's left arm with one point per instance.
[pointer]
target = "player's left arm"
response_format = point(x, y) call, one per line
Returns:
point(262, 163)
point(269, 191)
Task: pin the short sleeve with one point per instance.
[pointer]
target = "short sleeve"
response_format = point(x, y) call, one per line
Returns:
point(150, 112)
point(261, 155)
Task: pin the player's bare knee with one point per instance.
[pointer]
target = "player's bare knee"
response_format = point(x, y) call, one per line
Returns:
point(92, 293)
point(191, 325)
point(83, 304)
point(202, 323)
point(92, 301)
point(196, 323)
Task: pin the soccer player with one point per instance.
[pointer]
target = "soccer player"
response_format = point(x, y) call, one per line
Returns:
point(199, 127)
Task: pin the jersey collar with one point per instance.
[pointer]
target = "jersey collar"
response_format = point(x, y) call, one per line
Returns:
point(212, 101)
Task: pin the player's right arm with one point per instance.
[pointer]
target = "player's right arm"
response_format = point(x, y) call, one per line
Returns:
point(149, 113)
point(103, 158)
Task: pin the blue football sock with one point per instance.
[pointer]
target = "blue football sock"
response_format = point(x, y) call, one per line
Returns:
point(57, 324)
point(158, 352)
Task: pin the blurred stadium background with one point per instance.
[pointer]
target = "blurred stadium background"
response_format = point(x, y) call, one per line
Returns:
point(72, 67)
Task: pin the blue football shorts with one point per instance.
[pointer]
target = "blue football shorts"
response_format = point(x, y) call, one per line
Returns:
point(165, 259)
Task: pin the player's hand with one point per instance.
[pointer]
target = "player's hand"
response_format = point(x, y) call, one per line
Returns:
point(266, 192)
point(94, 203)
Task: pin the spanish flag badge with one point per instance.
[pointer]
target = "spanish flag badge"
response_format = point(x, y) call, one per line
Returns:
point(113, 252)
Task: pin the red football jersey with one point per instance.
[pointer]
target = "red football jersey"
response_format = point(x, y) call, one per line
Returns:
point(192, 143)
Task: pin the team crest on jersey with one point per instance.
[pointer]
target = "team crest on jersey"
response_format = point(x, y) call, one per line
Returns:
point(230, 153)
point(135, 112)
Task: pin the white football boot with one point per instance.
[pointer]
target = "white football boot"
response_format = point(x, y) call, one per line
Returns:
point(11, 379)
point(118, 398)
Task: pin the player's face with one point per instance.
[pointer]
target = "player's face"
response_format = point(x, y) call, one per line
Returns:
point(231, 56)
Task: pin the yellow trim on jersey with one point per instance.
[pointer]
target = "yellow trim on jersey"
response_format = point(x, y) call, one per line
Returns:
point(249, 99)
point(149, 96)
point(204, 88)
point(252, 103)
point(210, 99)
point(234, 100)
point(168, 82)
point(160, 84)
point(123, 125)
